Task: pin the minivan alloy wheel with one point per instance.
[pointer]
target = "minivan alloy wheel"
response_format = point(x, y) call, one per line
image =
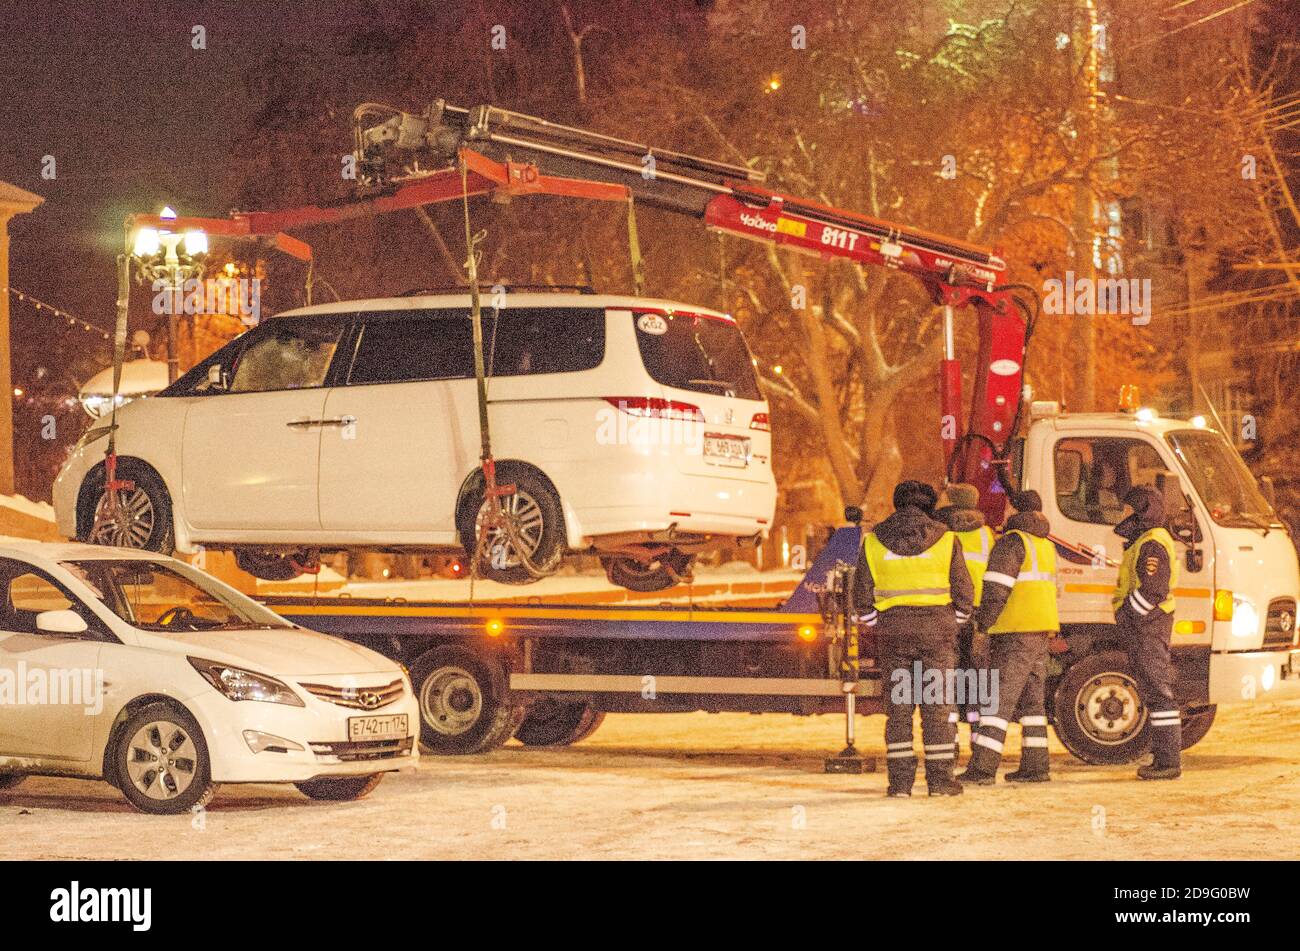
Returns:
point(161, 760)
point(130, 525)
point(527, 516)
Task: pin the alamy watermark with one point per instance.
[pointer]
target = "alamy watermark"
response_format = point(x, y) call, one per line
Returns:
point(25, 686)
point(967, 686)
point(1107, 295)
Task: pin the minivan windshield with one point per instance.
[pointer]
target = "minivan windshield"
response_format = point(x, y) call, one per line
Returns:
point(701, 354)
point(1221, 479)
point(156, 596)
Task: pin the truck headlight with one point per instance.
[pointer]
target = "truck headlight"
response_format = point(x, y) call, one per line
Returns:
point(1245, 619)
point(235, 683)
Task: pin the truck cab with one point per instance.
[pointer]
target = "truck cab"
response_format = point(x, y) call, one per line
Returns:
point(1234, 637)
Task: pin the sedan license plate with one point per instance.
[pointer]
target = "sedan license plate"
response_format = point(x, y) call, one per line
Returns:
point(723, 450)
point(391, 727)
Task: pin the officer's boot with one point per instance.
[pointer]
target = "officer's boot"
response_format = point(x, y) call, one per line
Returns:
point(1033, 752)
point(938, 773)
point(986, 753)
point(1166, 745)
point(901, 764)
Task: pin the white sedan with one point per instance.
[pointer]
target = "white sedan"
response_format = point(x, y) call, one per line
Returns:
point(143, 671)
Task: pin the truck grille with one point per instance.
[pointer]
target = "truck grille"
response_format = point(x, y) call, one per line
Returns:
point(1279, 628)
point(364, 749)
point(357, 698)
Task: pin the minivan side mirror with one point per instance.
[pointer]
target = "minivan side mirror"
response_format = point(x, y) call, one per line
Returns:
point(61, 622)
point(216, 377)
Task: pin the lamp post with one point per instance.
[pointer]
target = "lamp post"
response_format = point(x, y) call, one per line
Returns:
point(161, 255)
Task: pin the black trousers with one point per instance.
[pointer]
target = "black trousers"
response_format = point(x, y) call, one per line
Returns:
point(1020, 662)
point(1147, 640)
point(932, 645)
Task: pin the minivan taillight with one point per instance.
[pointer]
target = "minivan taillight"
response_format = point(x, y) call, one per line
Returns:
point(761, 421)
point(653, 406)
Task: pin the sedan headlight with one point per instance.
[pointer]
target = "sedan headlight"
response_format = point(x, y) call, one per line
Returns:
point(235, 683)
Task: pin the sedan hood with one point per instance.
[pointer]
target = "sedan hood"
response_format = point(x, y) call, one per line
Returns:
point(281, 653)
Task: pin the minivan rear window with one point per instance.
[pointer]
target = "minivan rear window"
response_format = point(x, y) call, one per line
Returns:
point(702, 354)
point(406, 346)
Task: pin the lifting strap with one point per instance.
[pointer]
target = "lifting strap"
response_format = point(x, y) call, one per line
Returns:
point(634, 250)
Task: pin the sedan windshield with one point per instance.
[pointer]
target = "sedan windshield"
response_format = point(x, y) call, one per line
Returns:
point(1221, 479)
point(163, 597)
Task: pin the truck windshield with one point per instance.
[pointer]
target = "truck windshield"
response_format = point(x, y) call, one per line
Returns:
point(1221, 479)
point(166, 598)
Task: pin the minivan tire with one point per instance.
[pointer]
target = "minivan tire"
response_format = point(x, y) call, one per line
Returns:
point(10, 780)
point(269, 566)
point(531, 490)
point(148, 499)
point(656, 575)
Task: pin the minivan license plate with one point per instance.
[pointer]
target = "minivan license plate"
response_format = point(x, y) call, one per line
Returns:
point(723, 450)
point(390, 727)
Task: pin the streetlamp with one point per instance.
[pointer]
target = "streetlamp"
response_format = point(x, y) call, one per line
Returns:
point(171, 257)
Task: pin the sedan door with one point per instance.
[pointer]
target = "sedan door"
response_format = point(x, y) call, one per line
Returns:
point(251, 454)
point(51, 685)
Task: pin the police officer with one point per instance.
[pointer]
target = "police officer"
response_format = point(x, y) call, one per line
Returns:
point(1019, 612)
point(1144, 612)
point(912, 588)
point(964, 518)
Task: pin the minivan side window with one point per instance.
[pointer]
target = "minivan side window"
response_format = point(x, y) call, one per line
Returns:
point(406, 346)
point(288, 355)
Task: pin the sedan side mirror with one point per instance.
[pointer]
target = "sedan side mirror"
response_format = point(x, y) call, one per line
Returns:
point(61, 622)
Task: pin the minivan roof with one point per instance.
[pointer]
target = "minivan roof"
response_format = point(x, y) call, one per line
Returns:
point(511, 299)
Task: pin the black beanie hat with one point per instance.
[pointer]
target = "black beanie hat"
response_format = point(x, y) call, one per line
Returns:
point(1027, 501)
point(918, 494)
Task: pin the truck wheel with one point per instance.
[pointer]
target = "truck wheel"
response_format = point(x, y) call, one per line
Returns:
point(464, 701)
point(655, 575)
point(1098, 714)
point(143, 516)
point(343, 789)
point(161, 761)
point(540, 521)
point(1197, 723)
point(553, 723)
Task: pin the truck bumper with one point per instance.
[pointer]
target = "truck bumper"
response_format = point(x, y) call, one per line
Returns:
point(1255, 675)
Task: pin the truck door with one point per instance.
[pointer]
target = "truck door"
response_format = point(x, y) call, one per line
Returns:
point(1091, 476)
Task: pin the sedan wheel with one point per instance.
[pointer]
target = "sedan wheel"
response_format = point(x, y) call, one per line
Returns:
point(162, 761)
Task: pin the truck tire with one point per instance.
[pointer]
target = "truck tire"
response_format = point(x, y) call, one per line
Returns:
point(1097, 713)
point(1197, 723)
point(464, 701)
point(553, 723)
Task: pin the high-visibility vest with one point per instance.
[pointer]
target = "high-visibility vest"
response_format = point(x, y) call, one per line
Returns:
point(1127, 581)
point(1032, 604)
point(910, 579)
point(976, 543)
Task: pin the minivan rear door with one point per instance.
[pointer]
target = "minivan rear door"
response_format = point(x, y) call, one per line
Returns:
point(702, 363)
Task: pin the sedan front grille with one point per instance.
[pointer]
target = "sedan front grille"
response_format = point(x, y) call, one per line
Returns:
point(364, 749)
point(1279, 628)
point(357, 698)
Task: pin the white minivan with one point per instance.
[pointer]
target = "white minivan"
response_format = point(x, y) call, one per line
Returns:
point(631, 428)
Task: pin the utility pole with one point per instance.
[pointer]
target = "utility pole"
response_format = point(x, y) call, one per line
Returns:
point(13, 201)
point(1083, 330)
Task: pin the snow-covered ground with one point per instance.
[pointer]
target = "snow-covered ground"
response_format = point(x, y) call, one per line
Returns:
point(697, 786)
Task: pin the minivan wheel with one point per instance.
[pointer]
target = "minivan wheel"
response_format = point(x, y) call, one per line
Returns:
point(143, 516)
point(275, 566)
point(539, 520)
point(162, 762)
point(657, 574)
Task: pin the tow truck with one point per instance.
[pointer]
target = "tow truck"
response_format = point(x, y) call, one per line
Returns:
point(548, 673)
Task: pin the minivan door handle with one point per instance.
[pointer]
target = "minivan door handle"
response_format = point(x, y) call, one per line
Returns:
point(303, 423)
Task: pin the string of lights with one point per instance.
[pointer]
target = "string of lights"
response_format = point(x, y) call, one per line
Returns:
point(73, 321)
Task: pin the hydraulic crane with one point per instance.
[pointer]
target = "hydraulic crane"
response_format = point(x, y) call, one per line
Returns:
point(406, 160)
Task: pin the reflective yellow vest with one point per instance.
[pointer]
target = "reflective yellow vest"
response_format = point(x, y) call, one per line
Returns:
point(1127, 581)
point(975, 547)
point(910, 579)
point(1032, 604)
